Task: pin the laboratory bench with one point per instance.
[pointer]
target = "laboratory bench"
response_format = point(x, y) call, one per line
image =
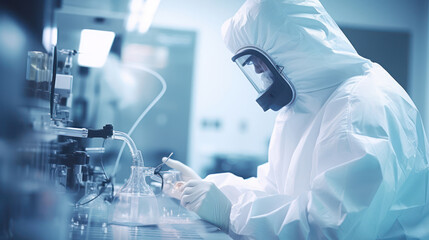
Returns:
point(175, 223)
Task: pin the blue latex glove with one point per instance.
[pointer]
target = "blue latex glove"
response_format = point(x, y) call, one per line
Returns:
point(203, 197)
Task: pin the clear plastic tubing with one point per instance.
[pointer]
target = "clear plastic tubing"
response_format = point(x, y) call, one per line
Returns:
point(148, 108)
point(135, 153)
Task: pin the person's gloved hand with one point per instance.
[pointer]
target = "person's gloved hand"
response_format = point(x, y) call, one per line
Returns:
point(207, 201)
point(187, 172)
point(203, 197)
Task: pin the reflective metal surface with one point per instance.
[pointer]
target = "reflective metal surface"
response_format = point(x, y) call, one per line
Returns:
point(176, 223)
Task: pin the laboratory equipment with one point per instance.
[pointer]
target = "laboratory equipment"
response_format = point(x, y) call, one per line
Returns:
point(62, 95)
point(165, 182)
point(171, 183)
point(157, 170)
point(136, 204)
point(148, 108)
point(49, 158)
point(38, 75)
point(70, 167)
point(94, 206)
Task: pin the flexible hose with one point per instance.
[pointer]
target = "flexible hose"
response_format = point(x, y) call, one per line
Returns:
point(143, 114)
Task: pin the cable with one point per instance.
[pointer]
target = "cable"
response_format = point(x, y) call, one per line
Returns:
point(101, 160)
point(108, 180)
point(143, 114)
point(162, 180)
point(92, 199)
point(103, 184)
point(157, 170)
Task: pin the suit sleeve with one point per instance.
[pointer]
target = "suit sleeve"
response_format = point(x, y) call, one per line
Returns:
point(233, 186)
point(339, 203)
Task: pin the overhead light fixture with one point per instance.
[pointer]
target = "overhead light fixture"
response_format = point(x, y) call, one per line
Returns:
point(49, 38)
point(141, 15)
point(94, 47)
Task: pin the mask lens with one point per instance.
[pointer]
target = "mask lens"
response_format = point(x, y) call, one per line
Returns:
point(256, 72)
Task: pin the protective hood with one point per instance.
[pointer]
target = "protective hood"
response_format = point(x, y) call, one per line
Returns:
point(299, 36)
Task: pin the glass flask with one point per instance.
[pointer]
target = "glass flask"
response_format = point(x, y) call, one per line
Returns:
point(136, 204)
point(92, 208)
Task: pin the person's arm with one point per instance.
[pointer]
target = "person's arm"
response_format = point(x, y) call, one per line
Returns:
point(342, 200)
point(347, 187)
point(233, 186)
point(213, 197)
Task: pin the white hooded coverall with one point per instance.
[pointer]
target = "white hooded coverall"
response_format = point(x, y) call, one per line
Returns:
point(348, 158)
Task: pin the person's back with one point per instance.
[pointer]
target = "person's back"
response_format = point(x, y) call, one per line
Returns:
point(378, 187)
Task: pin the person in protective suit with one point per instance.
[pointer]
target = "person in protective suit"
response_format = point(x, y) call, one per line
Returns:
point(348, 154)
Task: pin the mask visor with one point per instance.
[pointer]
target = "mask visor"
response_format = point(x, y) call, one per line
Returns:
point(256, 71)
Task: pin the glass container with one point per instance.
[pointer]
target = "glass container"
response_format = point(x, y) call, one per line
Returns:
point(136, 204)
point(93, 208)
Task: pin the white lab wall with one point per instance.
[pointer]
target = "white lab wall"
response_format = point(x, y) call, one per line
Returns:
point(222, 93)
